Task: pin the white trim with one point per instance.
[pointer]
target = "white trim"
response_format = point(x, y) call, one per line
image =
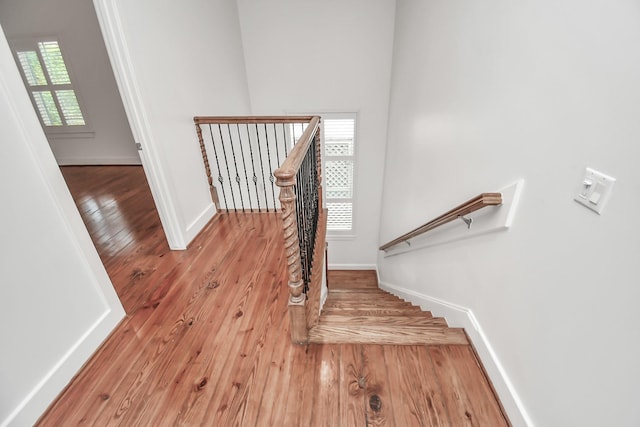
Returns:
point(157, 174)
point(340, 237)
point(200, 222)
point(324, 290)
point(79, 161)
point(71, 135)
point(51, 384)
point(352, 267)
point(462, 317)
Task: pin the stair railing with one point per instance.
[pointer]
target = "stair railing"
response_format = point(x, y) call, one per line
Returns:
point(273, 164)
point(299, 179)
point(244, 152)
point(481, 201)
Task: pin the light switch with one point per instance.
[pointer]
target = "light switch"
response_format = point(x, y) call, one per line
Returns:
point(586, 188)
point(595, 190)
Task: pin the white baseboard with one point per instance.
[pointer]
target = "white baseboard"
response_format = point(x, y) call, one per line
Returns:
point(324, 291)
point(352, 267)
point(61, 374)
point(198, 224)
point(100, 161)
point(462, 317)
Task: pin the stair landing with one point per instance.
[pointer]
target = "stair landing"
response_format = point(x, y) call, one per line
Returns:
point(357, 311)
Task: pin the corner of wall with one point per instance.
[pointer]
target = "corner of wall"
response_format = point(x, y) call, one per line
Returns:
point(462, 317)
point(64, 370)
point(198, 224)
point(352, 267)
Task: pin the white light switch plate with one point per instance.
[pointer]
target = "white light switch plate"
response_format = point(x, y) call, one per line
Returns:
point(595, 190)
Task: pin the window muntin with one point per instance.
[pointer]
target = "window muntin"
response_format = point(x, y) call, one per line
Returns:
point(48, 80)
point(340, 216)
point(339, 183)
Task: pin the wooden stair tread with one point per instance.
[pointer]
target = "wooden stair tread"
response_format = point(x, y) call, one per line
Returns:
point(363, 291)
point(372, 304)
point(369, 293)
point(365, 300)
point(386, 334)
point(386, 320)
point(368, 311)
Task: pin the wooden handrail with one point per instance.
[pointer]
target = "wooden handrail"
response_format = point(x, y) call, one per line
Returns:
point(472, 205)
point(214, 120)
point(292, 163)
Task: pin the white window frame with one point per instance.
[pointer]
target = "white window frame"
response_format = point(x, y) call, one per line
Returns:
point(59, 131)
point(335, 234)
point(332, 234)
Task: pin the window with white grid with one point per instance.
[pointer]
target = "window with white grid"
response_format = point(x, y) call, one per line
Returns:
point(47, 78)
point(339, 136)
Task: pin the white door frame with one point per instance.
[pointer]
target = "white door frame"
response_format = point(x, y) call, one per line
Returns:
point(152, 162)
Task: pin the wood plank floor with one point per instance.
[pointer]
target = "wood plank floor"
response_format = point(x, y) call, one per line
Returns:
point(206, 339)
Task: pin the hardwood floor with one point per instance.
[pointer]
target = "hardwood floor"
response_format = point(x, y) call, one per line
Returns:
point(206, 339)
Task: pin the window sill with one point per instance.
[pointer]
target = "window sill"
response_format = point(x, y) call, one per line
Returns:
point(70, 135)
point(340, 237)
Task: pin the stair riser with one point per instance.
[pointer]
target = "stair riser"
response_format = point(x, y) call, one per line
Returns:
point(378, 304)
point(398, 321)
point(387, 335)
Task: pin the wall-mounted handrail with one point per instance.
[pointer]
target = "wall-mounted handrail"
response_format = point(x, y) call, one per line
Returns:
point(472, 205)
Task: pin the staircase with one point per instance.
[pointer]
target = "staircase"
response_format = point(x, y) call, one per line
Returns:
point(358, 312)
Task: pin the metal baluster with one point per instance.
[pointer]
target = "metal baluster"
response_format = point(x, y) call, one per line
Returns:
point(244, 166)
point(253, 166)
point(284, 135)
point(271, 177)
point(235, 165)
point(264, 181)
point(300, 224)
point(220, 179)
point(275, 136)
point(226, 163)
point(303, 233)
point(314, 185)
point(309, 213)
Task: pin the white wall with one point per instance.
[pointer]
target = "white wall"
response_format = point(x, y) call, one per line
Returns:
point(176, 60)
point(332, 56)
point(56, 301)
point(484, 93)
point(74, 23)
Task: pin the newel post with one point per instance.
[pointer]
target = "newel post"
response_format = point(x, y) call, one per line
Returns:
point(286, 180)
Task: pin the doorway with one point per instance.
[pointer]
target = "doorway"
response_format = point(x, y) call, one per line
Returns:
point(117, 208)
point(107, 139)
